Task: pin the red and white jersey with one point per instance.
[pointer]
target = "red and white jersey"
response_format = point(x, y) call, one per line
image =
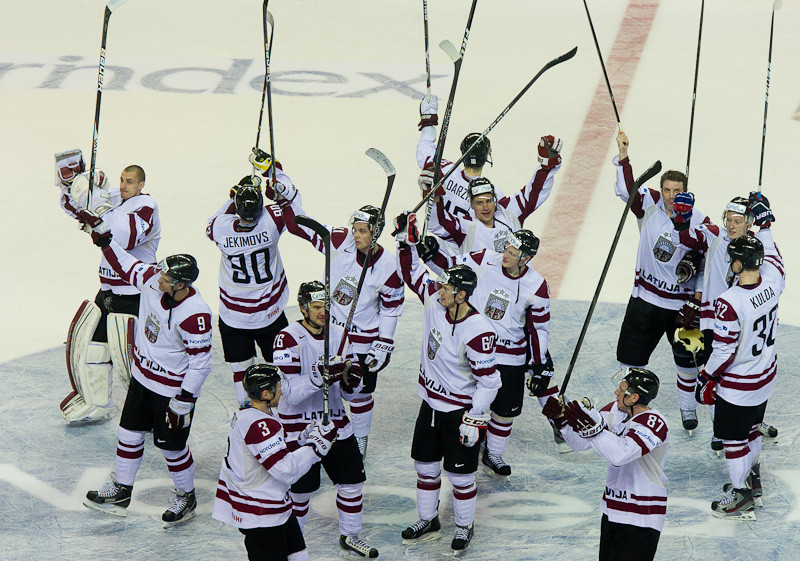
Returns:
point(296, 352)
point(518, 308)
point(470, 234)
point(658, 256)
point(744, 357)
point(457, 363)
point(257, 471)
point(636, 452)
point(134, 225)
point(380, 303)
point(172, 344)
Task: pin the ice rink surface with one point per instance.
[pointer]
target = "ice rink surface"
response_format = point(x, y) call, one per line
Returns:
point(182, 96)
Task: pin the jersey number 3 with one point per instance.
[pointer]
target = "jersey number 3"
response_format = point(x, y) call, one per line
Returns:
point(760, 327)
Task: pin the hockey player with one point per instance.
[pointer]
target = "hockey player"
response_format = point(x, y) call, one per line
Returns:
point(634, 440)
point(171, 360)
point(100, 333)
point(458, 381)
point(739, 377)
point(252, 284)
point(516, 301)
point(380, 302)
point(308, 392)
point(658, 299)
point(258, 469)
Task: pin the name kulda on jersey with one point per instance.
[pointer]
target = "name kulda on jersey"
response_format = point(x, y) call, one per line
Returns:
point(246, 241)
point(762, 297)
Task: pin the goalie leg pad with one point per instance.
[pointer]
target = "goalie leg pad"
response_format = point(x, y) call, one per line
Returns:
point(121, 328)
point(88, 365)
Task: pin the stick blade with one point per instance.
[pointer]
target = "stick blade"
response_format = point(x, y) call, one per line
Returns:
point(114, 4)
point(566, 56)
point(270, 19)
point(382, 160)
point(777, 5)
point(312, 224)
point(649, 174)
point(450, 49)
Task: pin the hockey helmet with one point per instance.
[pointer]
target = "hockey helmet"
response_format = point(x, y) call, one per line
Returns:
point(482, 152)
point(525, 242)
point(643, 382)
point(260, 377)
point(180, 268)
point(480, 186)
point(747, 249)
point(739, 205)
point(372, 216)
point(249, 203)
point(460, 277)
point(308, 292)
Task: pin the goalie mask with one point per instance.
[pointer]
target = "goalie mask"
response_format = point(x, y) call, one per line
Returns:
point(180, 268)
point(479, 155)
point(372, 216)
point(747, 249)
point(249, 203)
point(260, 377)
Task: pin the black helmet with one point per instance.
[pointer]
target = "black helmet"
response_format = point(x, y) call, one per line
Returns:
point(643, 382)
point(747, 249)
point(260, 377)
point(460, 278)
point(480, 186)
point(372, 216)
point(180, 268)
point(479, 155)
point(525, 242)
point(308, 292)
point(249, 202)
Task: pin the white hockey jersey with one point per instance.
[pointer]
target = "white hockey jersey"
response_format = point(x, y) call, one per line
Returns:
point(296, 352)
point(636, 452)
point(135, 226)
point(380, 303)
point(470, 234)
point(657, 256)
point(457, 363)
point(744, 355)
point(172, 345)
point(257, 471)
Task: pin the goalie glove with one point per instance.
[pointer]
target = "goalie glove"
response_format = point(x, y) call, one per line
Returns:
point(179, 409)
point(759, 206)
point(583, 418)
point(470, 428)
point(428, 112)
point(682, 207)
point(554, 410)
point(705, 391)
point(68, 165)
point(549, 149)
point(379, 354)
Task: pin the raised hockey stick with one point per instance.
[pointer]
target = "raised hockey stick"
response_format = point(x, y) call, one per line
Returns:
point(110, 7)
point(388, 168)
point(776, 5)
point(427, 49)
point(266, 90)
point(647, 175)
point(694, 89)
point(325, 236)
point(602, 65)
point(558, 60)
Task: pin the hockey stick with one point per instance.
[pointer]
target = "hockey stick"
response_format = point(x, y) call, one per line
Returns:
point(602, 64)
point(775, 7)
point(388, 168)
point(647, 175)
point(266, 90)
point(325, 235)
point(427, 49)
point(558, 60)
point(110, 7)
point(694, 89)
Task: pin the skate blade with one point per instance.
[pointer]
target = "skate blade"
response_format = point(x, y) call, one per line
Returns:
point(746, 516)
point(497, 476)
point(459, 552)
point(347, 554)
point(186, 518)
point(429, 537)
point(758, 502)
point(111, 510)
point(563, 448)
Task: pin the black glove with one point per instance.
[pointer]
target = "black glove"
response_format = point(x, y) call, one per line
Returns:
point(759, 206)
point(540, 377)
point(428, 249)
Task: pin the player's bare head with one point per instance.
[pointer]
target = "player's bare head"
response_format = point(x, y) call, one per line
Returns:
point(137, 171)
point(262, 382)
point(675, 176)
point(131, 182)
point(737, 217)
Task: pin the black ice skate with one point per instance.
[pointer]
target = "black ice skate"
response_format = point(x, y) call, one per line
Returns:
point(767, 431)
point(461, 540)
point(689, 420)
point(422, 531)
point(754, 482)
point(716, 445)
point(183, 508)
point(113, 498)
point(353, 546)
point(495, 463)
point(737, 505)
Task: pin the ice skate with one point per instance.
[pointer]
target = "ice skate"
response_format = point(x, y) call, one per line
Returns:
point(689, 420)
point(495, 464)
point(422, 531)
point(353, 546)
point(767, 431)
point(183, 508)
point(113, 498)
point(461, 540)
point(737, 505)
point(753, 481)
point(362, 445)
point(716, 445)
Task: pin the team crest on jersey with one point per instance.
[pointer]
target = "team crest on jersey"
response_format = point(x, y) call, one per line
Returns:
point(151, 328)
point(434, 342)
point(345, 291)
point(500, 241)
point(664, 248)
point(497, 304)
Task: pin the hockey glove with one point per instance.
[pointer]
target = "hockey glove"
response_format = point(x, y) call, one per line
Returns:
point(428, 112)
point(705, 391)
point(471, 426)
point(428, 249)
point(68, 165)
point(336, 370)
point(406, 228)
point(689, 314)
point(426, 181)
point(682, 207)
point(101, 234)
point(253, 180)
point(379, 354)
point(583, 418)
point(540, 377)
point(260, 160)
point(278, 191)
point(179, 409)
point(321, 437)
point(554, 410)
point(759, 206)
point(688, 266)
point(549, 148)
point(352, 378)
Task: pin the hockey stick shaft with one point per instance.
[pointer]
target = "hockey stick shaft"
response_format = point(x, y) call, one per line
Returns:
point(647, 175)
point(694, 88)
point(110, 7)
point(546, 67)
point(427, 48)
point(602, 64)
point(388, 168)
point(775, 6)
